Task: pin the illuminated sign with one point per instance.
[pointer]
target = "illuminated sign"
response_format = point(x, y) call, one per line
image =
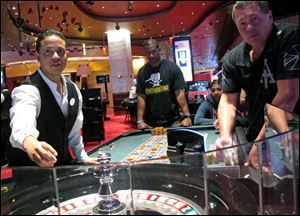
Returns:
point(182, 52)
point(3, 75)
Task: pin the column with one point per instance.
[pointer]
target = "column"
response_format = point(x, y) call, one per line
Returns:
point(120, 58)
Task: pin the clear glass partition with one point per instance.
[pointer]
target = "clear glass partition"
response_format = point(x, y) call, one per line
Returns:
point(279, 173)
point(30, 190)
point(135, 188)
point(269, 188)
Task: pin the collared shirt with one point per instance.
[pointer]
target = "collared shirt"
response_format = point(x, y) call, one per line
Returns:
point(278, 61)
point(26, 106)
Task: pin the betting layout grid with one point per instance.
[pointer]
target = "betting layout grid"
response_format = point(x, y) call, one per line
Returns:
point(153, 148)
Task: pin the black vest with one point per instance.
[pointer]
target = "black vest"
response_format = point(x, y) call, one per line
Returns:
point(53, 127)
point(5, 106)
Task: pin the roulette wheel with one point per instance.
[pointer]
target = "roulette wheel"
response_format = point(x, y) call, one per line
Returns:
point(114, 188)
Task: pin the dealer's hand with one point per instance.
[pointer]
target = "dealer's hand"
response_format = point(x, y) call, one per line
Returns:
point(41, 153)
point(91, 161)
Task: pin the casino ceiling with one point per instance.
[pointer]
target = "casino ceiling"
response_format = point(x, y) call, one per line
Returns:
point(207, 22)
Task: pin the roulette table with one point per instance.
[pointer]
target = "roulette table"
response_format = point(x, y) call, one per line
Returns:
point(148, 185)
point(139, 145)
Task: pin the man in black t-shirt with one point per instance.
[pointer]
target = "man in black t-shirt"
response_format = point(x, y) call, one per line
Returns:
point(160, 92)
point(265, 65)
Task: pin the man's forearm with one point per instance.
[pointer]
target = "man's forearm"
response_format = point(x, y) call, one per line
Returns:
point(287, 94)
point(277, 118)
point(284, 103)
point(227, 114)
point(141, 104)
point(181, 100)
point(226, 121)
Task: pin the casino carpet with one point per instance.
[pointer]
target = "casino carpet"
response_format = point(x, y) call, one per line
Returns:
point(114, 127)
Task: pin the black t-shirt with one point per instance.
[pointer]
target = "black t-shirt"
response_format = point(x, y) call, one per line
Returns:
point(158, 84)
point(279, 61)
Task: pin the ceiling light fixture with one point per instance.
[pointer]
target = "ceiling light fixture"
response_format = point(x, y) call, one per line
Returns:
point(129, 7)
point(90, 3)
point(117, 27)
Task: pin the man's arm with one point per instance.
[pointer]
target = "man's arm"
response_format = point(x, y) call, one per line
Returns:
point(287, 94)
point(226, 120)
point(201, 117)
point(227, 112)
point(276, 118)
point(26, 99)
point(141, 106)
point(181, 100)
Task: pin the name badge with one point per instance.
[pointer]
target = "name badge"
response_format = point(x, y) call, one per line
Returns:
point(72, 101)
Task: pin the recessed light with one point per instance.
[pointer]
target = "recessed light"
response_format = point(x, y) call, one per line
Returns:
point(193, 13)
point(157, 5)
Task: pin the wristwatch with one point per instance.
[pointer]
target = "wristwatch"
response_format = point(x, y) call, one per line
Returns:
point(186, 116)
point(139, 121)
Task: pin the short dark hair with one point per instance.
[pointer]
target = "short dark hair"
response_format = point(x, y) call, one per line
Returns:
point(239, 5)
point(47, 33)
point(214, 82)
point(150, 42)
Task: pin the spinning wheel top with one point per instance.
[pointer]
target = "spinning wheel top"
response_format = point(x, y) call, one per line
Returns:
point(103, 157)
point(105, 168)
point(105, 172)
